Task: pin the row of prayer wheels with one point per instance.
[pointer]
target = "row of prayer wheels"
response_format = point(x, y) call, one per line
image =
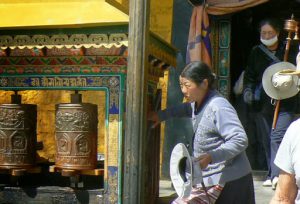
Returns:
point(75, 134)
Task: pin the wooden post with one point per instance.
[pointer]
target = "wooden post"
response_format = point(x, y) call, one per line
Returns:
point(136, 99)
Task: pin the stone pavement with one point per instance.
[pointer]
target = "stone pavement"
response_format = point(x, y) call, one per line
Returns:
point(262, 194)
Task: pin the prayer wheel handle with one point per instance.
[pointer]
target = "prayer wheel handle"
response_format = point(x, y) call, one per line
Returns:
point(292, 27)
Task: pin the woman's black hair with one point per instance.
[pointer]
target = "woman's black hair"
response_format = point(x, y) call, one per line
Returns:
point(274, 23)
point(198, 71)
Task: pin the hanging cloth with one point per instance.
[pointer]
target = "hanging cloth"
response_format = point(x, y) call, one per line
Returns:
point(199, 46)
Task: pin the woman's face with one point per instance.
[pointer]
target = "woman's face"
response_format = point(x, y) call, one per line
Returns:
point(191, 91)
point(267, 32)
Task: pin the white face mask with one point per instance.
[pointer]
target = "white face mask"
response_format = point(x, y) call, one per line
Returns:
point(269, 42)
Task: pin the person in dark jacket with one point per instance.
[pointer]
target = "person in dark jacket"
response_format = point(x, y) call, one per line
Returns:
point(270, 51)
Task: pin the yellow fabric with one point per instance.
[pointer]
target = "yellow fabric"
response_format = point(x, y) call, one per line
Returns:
point(161, 18)
point(221, 7)
point(59, 13)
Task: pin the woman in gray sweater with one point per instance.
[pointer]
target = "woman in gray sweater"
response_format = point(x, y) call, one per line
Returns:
point(219, 140)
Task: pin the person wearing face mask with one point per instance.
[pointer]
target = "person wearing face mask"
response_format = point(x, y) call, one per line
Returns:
point(270, 51)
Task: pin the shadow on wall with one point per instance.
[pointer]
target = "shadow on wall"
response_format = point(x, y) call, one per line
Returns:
point(177, 130)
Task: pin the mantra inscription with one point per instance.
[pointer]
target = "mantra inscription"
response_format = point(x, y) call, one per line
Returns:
point(17, 135)
point(76, 136)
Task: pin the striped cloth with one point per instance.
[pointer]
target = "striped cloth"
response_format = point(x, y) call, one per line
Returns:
point(199, 46)
point(221, 7)
point(199, 196)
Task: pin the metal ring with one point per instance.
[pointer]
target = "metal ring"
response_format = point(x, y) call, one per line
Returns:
point(273, 101)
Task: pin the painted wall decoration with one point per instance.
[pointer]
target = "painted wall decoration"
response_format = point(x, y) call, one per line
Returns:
point(94, 62)
point(223, 87)
point(221, 42)
point(224, 34)
point(103, 73)
point(224, 63)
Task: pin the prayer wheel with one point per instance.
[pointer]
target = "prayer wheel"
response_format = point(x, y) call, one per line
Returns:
point(17, 134)
point(76, 134)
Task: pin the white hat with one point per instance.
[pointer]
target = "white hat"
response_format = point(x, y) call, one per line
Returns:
point(183, 177)
point(280, 86)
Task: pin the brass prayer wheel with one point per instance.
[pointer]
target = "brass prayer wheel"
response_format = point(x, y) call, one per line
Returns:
point(290, 25)
point(76, 135)
point(17, 135)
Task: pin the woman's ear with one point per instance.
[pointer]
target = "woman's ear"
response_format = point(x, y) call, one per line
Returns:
point(204, 84)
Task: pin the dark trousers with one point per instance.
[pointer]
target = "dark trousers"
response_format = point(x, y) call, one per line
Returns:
point(239, 191)
point(263, 127)
point(257, 127)
point(283, 122)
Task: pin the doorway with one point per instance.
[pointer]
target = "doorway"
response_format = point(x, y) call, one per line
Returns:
point(244, 35)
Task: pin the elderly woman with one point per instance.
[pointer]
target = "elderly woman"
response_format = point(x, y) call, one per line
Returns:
point(219, 140)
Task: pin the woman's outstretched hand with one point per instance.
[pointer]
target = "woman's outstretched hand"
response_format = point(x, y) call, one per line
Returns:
point(153, 116)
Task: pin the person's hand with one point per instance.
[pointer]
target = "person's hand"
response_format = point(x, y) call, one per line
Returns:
point(204, 160)
point(248, 96)
point(153, 116)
